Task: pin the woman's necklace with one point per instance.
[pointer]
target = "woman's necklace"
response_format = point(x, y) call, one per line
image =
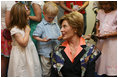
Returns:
point(73, 50)
point(73, 45)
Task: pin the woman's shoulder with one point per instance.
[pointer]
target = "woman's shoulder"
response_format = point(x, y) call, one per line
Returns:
point(92, 52)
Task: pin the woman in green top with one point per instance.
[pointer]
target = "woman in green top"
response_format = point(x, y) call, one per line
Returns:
point(35, 17)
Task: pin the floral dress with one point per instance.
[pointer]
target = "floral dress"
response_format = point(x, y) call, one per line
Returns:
point(5, 44)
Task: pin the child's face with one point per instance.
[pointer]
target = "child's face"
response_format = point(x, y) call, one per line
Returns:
point(106, 7)
point(49, 18)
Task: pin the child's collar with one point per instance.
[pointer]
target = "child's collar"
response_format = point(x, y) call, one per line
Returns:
point(45, 22)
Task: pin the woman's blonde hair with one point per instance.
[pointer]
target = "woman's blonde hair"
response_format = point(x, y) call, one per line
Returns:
point(18, 16)
point(75, 20)
point(113, 4)
point(50, 8)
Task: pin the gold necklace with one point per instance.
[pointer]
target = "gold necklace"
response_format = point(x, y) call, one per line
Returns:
point(73, 51)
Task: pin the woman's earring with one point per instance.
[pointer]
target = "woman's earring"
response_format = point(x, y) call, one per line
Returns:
point(75, 31)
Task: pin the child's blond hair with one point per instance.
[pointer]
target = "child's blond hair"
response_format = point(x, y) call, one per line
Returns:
point(50, 8)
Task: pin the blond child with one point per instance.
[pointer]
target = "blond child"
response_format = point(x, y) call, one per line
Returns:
point(46, 33)
point(24, 60)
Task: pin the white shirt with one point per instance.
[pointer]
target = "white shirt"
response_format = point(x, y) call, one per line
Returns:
point(5, 6)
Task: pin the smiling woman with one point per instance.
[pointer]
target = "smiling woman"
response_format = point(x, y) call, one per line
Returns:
point(67, 30)
point(75, 22)
point(73, 57)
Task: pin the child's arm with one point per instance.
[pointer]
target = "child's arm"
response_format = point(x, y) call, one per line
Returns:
point(97, 28)
point(40, 39)
point(114, 34)
point(23, 41)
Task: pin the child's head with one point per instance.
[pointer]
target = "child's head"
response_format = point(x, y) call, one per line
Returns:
point(108, 6)
point(18, 16)
point(50, 10)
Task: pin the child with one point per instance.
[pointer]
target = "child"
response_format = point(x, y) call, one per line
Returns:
point(24, 60)
point(107, 34)
point(46, 33)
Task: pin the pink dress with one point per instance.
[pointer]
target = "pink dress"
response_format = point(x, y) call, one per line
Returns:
point(107, 62)
point(5, 44)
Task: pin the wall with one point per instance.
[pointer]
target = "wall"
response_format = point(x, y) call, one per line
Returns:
point(90, 18)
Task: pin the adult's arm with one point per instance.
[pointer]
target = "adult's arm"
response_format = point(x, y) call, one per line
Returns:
point(9, 5)
point(37, 11)
point(7, 18)
point(64, 7)
point(86, 3)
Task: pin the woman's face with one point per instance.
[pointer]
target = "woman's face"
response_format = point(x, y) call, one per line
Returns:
point(67, 31)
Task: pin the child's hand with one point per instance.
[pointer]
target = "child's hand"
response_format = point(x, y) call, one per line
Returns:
point(45, 39)
point(27, 29)
point(87, 37)
point(102, 36)
point(97, 35)
point(60, 37)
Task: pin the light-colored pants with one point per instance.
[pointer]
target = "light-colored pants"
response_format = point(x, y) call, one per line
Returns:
point(46, 66)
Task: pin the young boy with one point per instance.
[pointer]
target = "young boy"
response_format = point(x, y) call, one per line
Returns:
point(46, 33)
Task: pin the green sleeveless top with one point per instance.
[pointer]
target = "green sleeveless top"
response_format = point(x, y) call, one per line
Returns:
point(33, 24)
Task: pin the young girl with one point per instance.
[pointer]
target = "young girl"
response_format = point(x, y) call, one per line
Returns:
point(107, 34)
point(24, 60)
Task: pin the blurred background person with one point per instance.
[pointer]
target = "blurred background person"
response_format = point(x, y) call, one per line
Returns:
point(5, 39)
point(79, 6)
